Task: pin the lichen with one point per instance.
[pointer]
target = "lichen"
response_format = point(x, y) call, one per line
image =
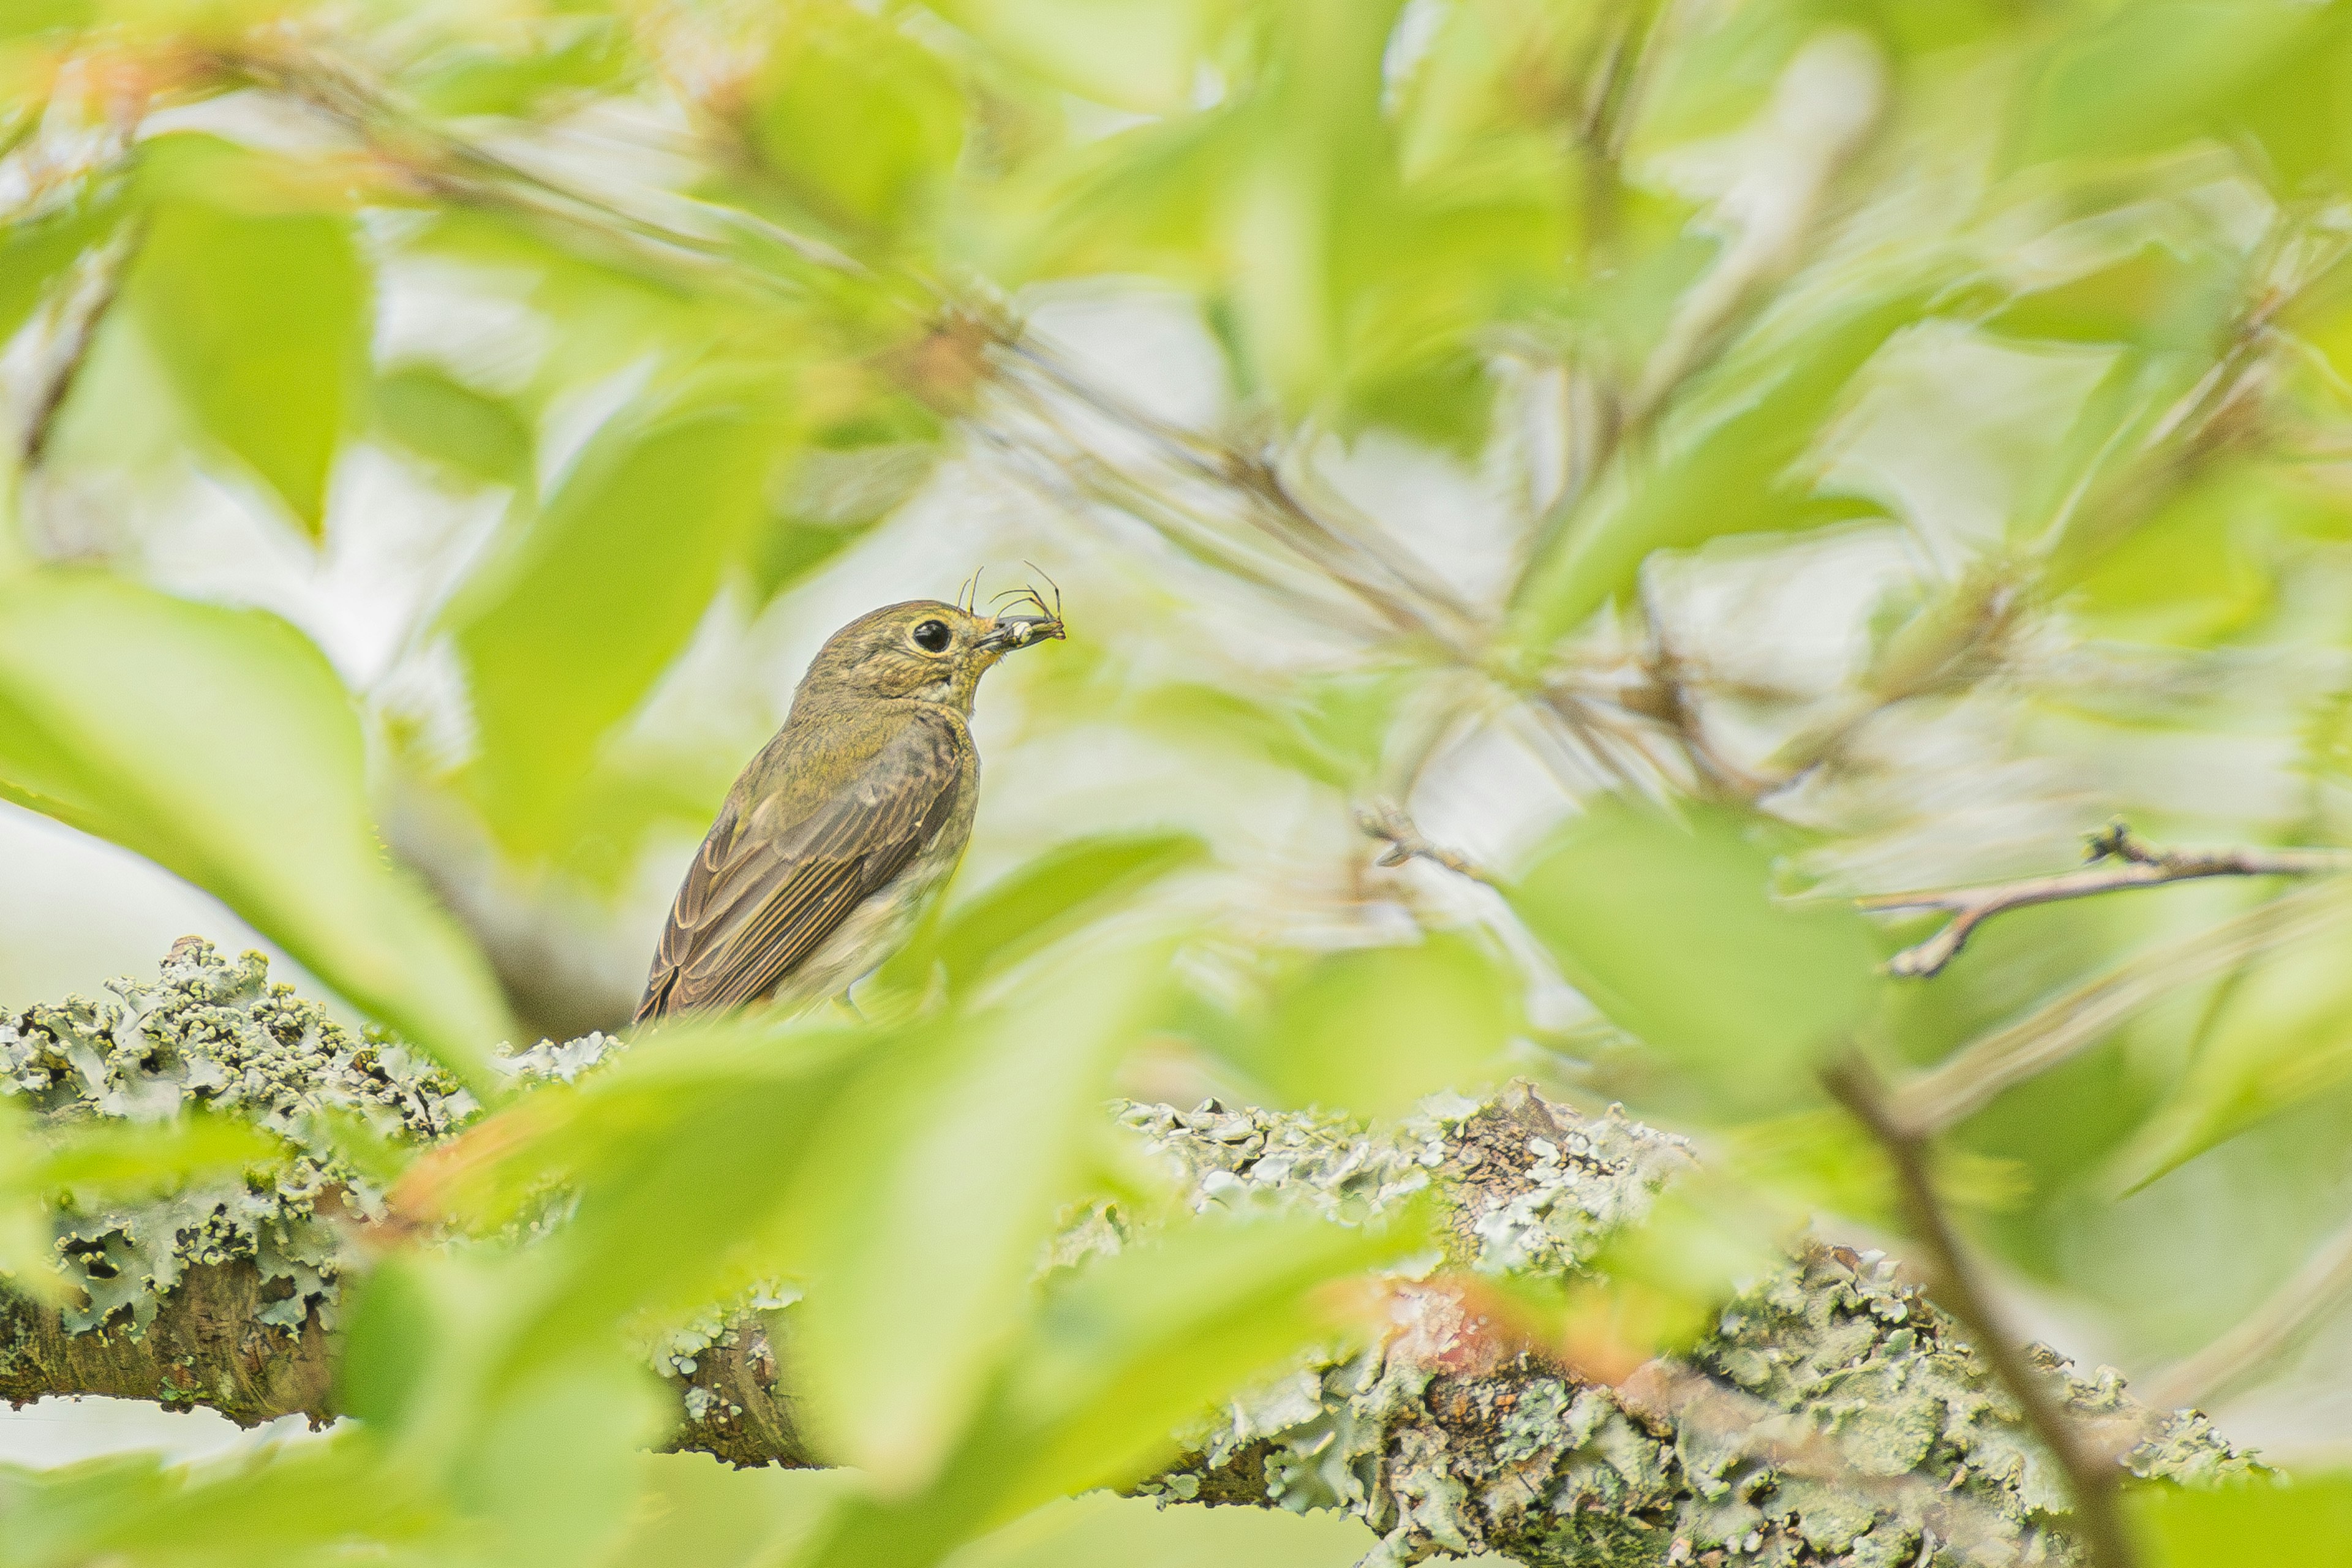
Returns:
point(220, 1035)
point(1831, 1416)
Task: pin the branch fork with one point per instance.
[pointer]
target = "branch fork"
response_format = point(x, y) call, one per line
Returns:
point(2115, 858)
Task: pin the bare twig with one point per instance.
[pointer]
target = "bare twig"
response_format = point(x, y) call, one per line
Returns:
point(2325, 1281)
point(74, 322)
point(1968, 1080)
point(2118, 860)
point(2091, 1476)
point(1387, 821)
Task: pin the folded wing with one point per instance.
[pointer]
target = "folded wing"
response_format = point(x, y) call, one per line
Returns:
point(776, 875)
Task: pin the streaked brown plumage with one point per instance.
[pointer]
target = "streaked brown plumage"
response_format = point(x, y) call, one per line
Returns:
point(846, 822)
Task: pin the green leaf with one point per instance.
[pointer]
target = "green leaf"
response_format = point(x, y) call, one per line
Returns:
point(1141, 1533)
point(286, 1504)
point(28, 1255)
point(220, 744)
point(1043, 901)
point(2255, 1524)
point(560, 52)
point(936, 1182)
point(860, 123)
point(2193, 572)
point(132, 1159)
point(437, 417)
point(564, 635)
point(1725, 460)
point(2276, 1039)
point(260, 312)
point(1138, 1343)
point(551, 1468)
point(26, 18)
point(688, 1161)
point(1670, 929)
point(2162, 71)
point(1121, 1357)
point(36, 251)
point(1373, 1030)
point(692, 1509)
point(1314, 179)
point(1140, 56)
point(392, 1340)
point(836, 494)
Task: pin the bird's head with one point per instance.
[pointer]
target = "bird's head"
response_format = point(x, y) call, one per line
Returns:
point(923, 648)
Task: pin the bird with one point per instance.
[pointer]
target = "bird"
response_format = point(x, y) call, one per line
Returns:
point(848, 822)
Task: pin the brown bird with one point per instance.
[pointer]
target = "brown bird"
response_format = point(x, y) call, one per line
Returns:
point(847, 822)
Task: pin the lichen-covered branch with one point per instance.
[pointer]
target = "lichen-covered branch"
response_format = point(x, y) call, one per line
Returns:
point(2119, 860)
point(1831, 1416)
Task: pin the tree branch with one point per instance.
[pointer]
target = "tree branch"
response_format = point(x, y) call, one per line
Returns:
point(1970, 1077)
point(1460, 1433)
point(2118, 859)
point(1385, 820)
point(2091, 1476)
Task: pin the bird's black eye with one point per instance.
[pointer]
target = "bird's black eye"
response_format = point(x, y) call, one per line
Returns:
point(931, 637)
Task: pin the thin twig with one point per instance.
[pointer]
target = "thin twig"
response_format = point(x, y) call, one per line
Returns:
point(1971, 1079)
point(2091, 1476)
point(1387, 821)
point(2118, 860)
point(73, 322)
point(2325, 1281)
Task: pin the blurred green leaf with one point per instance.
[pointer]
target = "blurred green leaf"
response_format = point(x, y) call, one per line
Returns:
point(115, 1161)
point(1121, 1357)
point(436, 416)
point(293, 1504)
point(685, 1157)
point(2161, 294)
point(26, 18)
point(1043, 901)
point(2161, 72)
point(28, 1254)
point(692, 1509)
point(859, 122)
point(392, 1337)
point(2275, 1038)
point(2254, 1524)
point(219, 744)
point(549, 1466)
point(260, 309)
point(581, 50)
point(1141, 1533)
point(564, 635)
point(2192, 572)
point(36, 251)
point(1725, 458)
point(935, 1183)
point(1371, 1030)
point(1140, 56)
point(1669, 929)
point(834, 494)
point(538, 1464)
point(1137, 1343)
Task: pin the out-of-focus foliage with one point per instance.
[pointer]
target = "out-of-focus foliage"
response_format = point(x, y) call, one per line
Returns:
point(219, 743)
point(1708, 460)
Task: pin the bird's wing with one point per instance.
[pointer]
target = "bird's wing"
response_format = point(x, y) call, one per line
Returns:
point(765, 890)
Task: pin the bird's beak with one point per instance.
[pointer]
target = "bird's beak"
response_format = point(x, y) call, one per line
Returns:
point(1006, 633)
